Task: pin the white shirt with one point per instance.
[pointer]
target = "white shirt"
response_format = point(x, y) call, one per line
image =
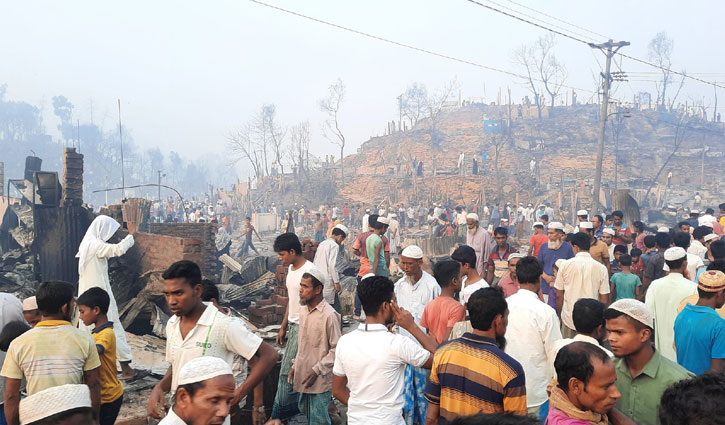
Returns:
point(663, 298)
point(172, 418)
point(580, 277)
point(294, 277)
point(325, 260)
point(414, 297)
point(697, 248)
point(468, 290)
point(214, 335)
point(532, 330)
point(558, 345)
point(365, 223)
point(694, 262)
point(374, 363)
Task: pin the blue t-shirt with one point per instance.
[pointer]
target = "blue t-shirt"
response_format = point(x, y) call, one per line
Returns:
point(625, 284)
point(699, 338)
point(549, 256)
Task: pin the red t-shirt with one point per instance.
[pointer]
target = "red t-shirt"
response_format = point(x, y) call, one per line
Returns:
point(440, 314)
point(536, 241)
point(624, 230)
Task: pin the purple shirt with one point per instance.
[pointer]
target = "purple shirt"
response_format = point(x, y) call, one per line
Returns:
point(481, 243)
point(548, 257)
point(557, 417)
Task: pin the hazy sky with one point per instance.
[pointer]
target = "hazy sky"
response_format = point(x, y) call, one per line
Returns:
point(188, 72)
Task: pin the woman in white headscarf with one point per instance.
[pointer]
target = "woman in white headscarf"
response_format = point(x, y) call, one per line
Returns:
point(93, 255)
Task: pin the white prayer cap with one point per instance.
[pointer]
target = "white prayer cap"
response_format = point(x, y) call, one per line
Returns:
point(694, 212)
point(367, 276)
point(393, 215)
point(556, 226)
point(203, 368)
point(542, 206)
point(30, 303)
point(516, 255)
point(504, 220)
point(367, 210)
point(472, 216)
point(412, 251)
point(343, 228)
point(608, 231)
point(383, 220)
point(709, 237)
point(52, 401)
point(586, 225)
point(707, 224)
point(663, 229)
point(537, 224)
point(635, 309)
point(675, 253)
point(314, 271)
point(582, 213)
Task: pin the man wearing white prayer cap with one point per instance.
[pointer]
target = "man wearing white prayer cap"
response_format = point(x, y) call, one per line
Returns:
point(204, 395)
point(479, 239)
point(664, 296)
point(556, 248)
point(326, 261)
point(30, 311)
point(413, 291)
point(68, 404)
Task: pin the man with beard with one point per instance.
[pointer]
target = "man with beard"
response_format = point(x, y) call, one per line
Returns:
point(319, 333)
point(370, 361)
point(479, 239)
point(642, 373)
point(549, 252)
point(413, 291)
point(473, 374)
point(35, 355)
point(197, 330)
point(204, 395)
point(585, 393)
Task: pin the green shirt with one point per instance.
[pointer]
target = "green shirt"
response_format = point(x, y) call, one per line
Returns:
point(641, 395)
point(371, 243)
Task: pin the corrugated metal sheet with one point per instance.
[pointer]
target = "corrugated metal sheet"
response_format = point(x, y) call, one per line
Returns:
point(59, 231)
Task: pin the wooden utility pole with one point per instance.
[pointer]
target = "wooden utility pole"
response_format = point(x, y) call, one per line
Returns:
point(609, 48)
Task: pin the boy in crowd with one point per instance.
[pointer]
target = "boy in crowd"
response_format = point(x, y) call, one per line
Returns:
point(93, 309)
point(441, 314)
point(615, 266)
point(625, 284)
point(471, 281)
point(637, 265)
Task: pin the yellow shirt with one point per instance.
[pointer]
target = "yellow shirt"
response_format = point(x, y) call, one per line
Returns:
point(111, 387)
point(40, 358)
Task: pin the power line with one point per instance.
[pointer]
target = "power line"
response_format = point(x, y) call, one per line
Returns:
point(411, 47)
point(560, 20)
point(569, 36)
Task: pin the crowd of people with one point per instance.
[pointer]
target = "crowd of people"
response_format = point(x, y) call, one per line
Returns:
point(596, 322)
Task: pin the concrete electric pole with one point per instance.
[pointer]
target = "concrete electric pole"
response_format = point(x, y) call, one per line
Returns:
point(609, 48)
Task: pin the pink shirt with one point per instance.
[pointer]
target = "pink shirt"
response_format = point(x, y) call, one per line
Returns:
point(557, 417)
point(440, 314)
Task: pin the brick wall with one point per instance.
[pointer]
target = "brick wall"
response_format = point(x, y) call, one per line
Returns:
point(158, 252)
point(203, 232)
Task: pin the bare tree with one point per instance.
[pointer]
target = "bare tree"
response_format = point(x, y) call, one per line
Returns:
point(677, 93)
point(498, 145)
point(275, 132)
point(299, 148)
point(414, 102)
point(680, 130)
point(659, 51)
point(525, 57)
point(331, 106)
point(241, 146)
point(436, 103)
point(551, 72)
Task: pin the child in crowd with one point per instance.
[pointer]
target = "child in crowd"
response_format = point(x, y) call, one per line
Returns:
point(625, 284)
point(441, 314)
point(93, 309)
point(637, 264)
point(615, 266)
point(649, 251)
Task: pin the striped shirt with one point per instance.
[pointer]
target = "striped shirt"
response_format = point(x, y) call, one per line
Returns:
point(472, 375)
point(39, 356)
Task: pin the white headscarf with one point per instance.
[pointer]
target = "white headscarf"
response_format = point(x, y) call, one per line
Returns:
point(98, 233)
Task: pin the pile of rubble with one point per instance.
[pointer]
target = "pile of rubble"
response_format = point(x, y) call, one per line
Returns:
point(17, 272)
